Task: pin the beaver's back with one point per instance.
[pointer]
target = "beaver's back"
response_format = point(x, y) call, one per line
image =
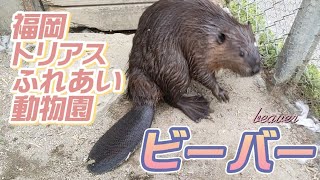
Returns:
point(176, 37)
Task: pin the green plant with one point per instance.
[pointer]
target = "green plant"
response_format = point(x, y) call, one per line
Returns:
point(310, 83)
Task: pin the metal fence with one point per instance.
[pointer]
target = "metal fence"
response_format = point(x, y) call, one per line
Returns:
point(288, 33)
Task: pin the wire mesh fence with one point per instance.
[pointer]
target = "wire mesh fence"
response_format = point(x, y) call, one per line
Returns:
point(272, 21)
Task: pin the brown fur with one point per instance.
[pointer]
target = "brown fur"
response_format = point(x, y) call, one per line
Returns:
point(180, 40)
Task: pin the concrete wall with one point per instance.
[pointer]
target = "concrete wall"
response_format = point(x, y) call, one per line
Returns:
point(105, 15)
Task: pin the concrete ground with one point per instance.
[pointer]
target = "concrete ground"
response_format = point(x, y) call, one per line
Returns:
point(60, 152)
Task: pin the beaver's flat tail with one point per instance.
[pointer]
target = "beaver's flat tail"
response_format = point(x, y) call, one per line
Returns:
point(116, 145)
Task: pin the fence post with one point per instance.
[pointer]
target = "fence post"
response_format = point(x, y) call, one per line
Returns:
point(300, 43)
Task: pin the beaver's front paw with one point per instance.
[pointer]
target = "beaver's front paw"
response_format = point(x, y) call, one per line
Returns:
point(221, 94)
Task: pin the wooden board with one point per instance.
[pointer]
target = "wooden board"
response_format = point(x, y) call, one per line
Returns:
point(92, 2)
point(105, 18)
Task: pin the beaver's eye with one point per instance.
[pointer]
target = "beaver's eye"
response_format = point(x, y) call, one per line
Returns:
point(241, 53)
point(221, 38)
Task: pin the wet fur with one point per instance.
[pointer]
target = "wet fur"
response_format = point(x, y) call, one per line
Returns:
point(180, 40)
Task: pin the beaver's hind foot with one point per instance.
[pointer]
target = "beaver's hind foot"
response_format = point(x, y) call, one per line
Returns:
point(221, 94)
point(195, 107)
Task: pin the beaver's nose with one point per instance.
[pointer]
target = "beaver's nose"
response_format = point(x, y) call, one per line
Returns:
point(256, 69)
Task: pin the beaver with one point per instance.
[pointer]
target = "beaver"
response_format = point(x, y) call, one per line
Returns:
point(176, 41)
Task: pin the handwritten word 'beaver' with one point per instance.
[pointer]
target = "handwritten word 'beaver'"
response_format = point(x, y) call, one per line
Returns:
point(272, 119)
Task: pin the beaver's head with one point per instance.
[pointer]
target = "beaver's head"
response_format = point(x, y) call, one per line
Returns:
point(235, 48)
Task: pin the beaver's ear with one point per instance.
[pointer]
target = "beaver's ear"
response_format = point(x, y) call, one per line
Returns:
point(221, 38)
